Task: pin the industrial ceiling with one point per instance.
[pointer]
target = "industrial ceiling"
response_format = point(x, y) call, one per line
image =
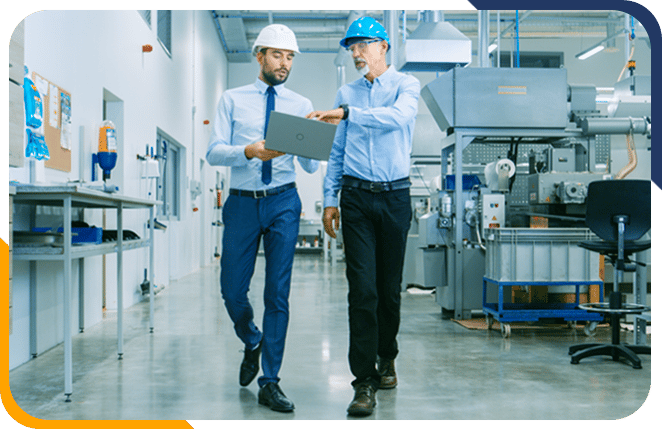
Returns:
point(320, 30)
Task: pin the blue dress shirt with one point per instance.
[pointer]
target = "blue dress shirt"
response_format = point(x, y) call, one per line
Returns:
point(239, 122)
point(374, 142)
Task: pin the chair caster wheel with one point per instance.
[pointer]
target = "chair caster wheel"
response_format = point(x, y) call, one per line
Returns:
point(590, 328)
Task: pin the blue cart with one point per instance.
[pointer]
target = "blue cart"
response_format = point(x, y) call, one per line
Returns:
point(505, 313)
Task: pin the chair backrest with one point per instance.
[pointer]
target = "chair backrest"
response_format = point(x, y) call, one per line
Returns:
point(608, 198)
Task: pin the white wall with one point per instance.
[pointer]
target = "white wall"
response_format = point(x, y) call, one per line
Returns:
point(85, 53)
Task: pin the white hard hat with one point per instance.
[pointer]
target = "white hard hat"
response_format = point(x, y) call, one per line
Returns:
point(276, 36)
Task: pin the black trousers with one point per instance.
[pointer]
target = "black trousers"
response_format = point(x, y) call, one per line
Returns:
point(374, 227)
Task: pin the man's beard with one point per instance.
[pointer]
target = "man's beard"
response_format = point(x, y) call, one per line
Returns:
point(271, 78)
point(362, 70)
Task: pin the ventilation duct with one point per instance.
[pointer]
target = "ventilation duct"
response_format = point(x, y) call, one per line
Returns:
point(434, 46)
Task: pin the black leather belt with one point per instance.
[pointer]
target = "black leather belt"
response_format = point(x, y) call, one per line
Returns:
point(264, 192)
point(376, 187)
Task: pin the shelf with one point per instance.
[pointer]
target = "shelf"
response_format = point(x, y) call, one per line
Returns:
point(51, 253)
point(70, 196)
point(318, 249)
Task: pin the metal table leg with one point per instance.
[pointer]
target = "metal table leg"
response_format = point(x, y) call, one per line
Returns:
point(33, 293)
point(120, 288)
point(68, 367)
point(81, 295)
point(151, 269)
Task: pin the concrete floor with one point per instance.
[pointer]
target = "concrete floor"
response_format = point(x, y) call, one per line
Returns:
point(188, 368)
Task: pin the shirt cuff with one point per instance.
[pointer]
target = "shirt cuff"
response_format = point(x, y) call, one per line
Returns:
point(330, 202)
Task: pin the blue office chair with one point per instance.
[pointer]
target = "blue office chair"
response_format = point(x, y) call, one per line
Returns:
point(619, 213)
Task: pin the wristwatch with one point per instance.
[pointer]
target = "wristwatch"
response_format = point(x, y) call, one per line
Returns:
point(345, 109)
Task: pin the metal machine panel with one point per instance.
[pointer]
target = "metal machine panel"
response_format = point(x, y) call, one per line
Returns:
point(439, 97)
point(494, 210)
point(499, 98)
point(561, 159)
point(633, 85)
point(474, 263)
point(560, 188)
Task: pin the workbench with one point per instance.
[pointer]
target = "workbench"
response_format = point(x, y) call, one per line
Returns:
point(71, 196)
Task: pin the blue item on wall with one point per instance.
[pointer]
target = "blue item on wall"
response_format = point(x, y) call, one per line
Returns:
point(105, 160)
point(34, 106)
point(468, 182)
point(36, 147)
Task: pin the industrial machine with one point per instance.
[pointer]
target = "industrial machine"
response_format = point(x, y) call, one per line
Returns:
point(525, 144)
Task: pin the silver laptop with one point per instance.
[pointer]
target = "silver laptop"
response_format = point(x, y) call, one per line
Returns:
point(299, 136)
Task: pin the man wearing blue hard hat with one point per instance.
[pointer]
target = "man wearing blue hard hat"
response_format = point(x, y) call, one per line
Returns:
point(370, 162)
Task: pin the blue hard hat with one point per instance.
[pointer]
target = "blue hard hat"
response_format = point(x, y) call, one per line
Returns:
point(364, 28)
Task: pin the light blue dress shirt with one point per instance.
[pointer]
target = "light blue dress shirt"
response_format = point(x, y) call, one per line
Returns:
point(374, 142)
point(239, 121)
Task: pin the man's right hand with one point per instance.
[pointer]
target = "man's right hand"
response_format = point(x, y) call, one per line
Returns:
point(257, 150)
point(331, 220)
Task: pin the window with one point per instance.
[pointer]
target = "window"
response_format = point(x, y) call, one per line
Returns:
point(170, 156)
point(147, 16)
point(163, 29)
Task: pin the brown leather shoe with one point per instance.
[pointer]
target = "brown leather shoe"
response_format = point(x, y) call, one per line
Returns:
point(364, 400)
point(386, 369)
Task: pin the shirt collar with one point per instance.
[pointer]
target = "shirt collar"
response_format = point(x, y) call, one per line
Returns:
point(383, 78)
point(262, 87)
point(386, 76)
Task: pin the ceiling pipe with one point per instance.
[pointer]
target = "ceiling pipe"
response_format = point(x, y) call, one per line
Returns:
point(431, 16)
point(391, 25)
point(483, 36)
point(498, 40)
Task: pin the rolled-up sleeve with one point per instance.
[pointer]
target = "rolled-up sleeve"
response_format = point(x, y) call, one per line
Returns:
point(390, 117)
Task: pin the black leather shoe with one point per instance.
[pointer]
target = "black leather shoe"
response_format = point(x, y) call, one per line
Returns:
point(364, 400)
point(250, 366)
point(274, 398)
point(386, 369)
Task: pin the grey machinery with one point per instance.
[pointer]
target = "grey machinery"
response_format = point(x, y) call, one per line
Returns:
point(558, 142)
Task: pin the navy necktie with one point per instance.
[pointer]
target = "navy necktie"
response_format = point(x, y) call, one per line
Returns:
point(271, 104)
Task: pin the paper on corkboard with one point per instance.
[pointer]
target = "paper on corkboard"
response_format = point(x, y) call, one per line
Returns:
point(52, 96)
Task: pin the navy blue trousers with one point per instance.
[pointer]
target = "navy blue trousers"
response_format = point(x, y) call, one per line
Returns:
point(274, 219)
point(374, 228)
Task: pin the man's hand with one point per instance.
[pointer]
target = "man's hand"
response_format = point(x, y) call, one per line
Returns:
point(331, 116)
point(331, 220)
point(257, 150)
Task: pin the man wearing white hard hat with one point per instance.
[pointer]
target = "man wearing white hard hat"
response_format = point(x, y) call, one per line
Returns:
point(263, 205)
point(370, 162)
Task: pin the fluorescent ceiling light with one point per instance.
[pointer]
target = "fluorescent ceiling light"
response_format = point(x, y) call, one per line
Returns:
point(599, 46)
point(491, 48)
point(590, 52)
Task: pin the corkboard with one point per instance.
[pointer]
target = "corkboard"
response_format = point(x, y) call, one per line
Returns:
point(60, 157)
